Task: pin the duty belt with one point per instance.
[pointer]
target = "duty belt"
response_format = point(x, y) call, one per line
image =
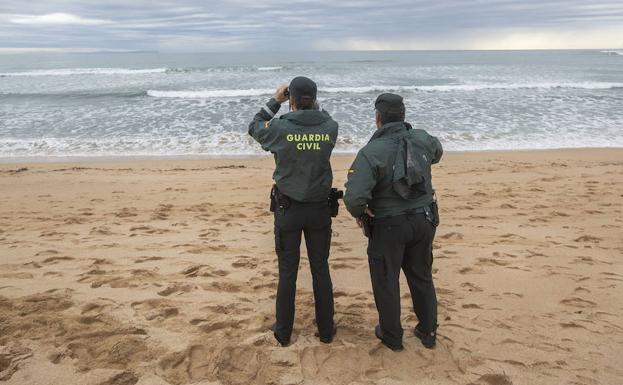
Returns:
point(428, 211)
point(431, 211)
point(419, 210)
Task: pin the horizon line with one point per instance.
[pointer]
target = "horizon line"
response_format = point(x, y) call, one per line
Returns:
point(30, 50)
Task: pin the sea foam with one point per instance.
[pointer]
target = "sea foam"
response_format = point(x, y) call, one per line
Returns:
point(206, 94)
point(85, 71)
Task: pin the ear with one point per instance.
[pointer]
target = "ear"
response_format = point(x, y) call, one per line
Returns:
point(293, 105)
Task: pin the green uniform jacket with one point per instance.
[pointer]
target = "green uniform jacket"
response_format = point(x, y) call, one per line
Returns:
point(370, 177)
point(302, 142)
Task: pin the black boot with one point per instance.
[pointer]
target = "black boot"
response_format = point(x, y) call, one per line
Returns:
point(427, 339)
point(379, 334)
point(329, 339)
point(283, 342)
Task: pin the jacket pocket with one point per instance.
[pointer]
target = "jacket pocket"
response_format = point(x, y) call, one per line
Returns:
point(378, 267)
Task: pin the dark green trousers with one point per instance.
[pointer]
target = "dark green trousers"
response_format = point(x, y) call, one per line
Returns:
point(314, 221)
point(402, 242)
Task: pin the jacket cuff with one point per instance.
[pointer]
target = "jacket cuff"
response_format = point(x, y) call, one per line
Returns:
point(272, 107)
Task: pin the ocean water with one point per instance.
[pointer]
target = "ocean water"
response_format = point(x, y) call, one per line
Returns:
point(144, 104)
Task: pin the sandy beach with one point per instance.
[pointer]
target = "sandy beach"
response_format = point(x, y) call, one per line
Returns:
point(163, 272)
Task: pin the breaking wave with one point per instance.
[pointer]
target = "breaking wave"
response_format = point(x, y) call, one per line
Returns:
point(206, 94)
point(84, 71)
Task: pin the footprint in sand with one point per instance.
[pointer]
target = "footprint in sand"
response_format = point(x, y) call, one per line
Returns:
point(196, 363)
point(491, 262)
point(11, 359)
point(244, 262)
point(205, 249)
point(539, 219)
point(136, 230)
point(97, 307)
point(176, 288)
point(216, 324)
point(452, 236)
point(86, 212)
point(147, 259)
point(341, 265)
point(583, 260)
point(348, 363)
point(610, 276)
point(16, 275)
point(512, 236)
point(126, 212)
point(209, 233)
point(493, 379)
point(124, 378)
point(101, 230)
point(266, 285)
point(532, 254)
point(578, 302)
point(241, 365)
point(155, 309)
point(570, 325)
point(471, 287)
point(54, 260)
point(202, 208)
point(118, 279)
point(54, 234)
point(73, 221)
point(588, 239)
point(162, 212)
point(203, 271)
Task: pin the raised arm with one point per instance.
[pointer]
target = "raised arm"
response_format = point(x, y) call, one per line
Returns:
point(260, 126)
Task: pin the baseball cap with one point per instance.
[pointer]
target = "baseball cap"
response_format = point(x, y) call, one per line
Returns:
point(301, 86)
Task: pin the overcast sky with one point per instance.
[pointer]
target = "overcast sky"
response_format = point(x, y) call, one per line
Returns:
point(273, 25)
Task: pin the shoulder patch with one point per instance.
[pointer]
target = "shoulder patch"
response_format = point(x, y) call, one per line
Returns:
point(266, 123)
point(351, 171)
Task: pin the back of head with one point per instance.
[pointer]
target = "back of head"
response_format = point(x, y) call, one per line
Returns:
point(390, 108)
point(303, 90)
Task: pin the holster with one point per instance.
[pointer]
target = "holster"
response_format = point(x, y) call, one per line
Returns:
point(435, 214)
point(334, 205)
point(278, 200)
point(435, 210)
point(367, 224)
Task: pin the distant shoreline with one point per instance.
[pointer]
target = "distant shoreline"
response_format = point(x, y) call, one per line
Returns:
point(244, 157)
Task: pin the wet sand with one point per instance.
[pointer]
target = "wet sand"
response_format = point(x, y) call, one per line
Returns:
point(163, 272)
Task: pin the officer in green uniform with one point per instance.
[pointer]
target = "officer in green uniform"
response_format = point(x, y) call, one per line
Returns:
point(301, 141)
point(389, 191)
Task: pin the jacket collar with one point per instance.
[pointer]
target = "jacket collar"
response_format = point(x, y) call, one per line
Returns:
point(307, 117)
point(391, 129)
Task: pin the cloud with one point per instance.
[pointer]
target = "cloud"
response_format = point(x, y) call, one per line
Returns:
point(55, 19)
point(503, 39)
point(591, 37)
point(275, 25)
point(13, 50)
